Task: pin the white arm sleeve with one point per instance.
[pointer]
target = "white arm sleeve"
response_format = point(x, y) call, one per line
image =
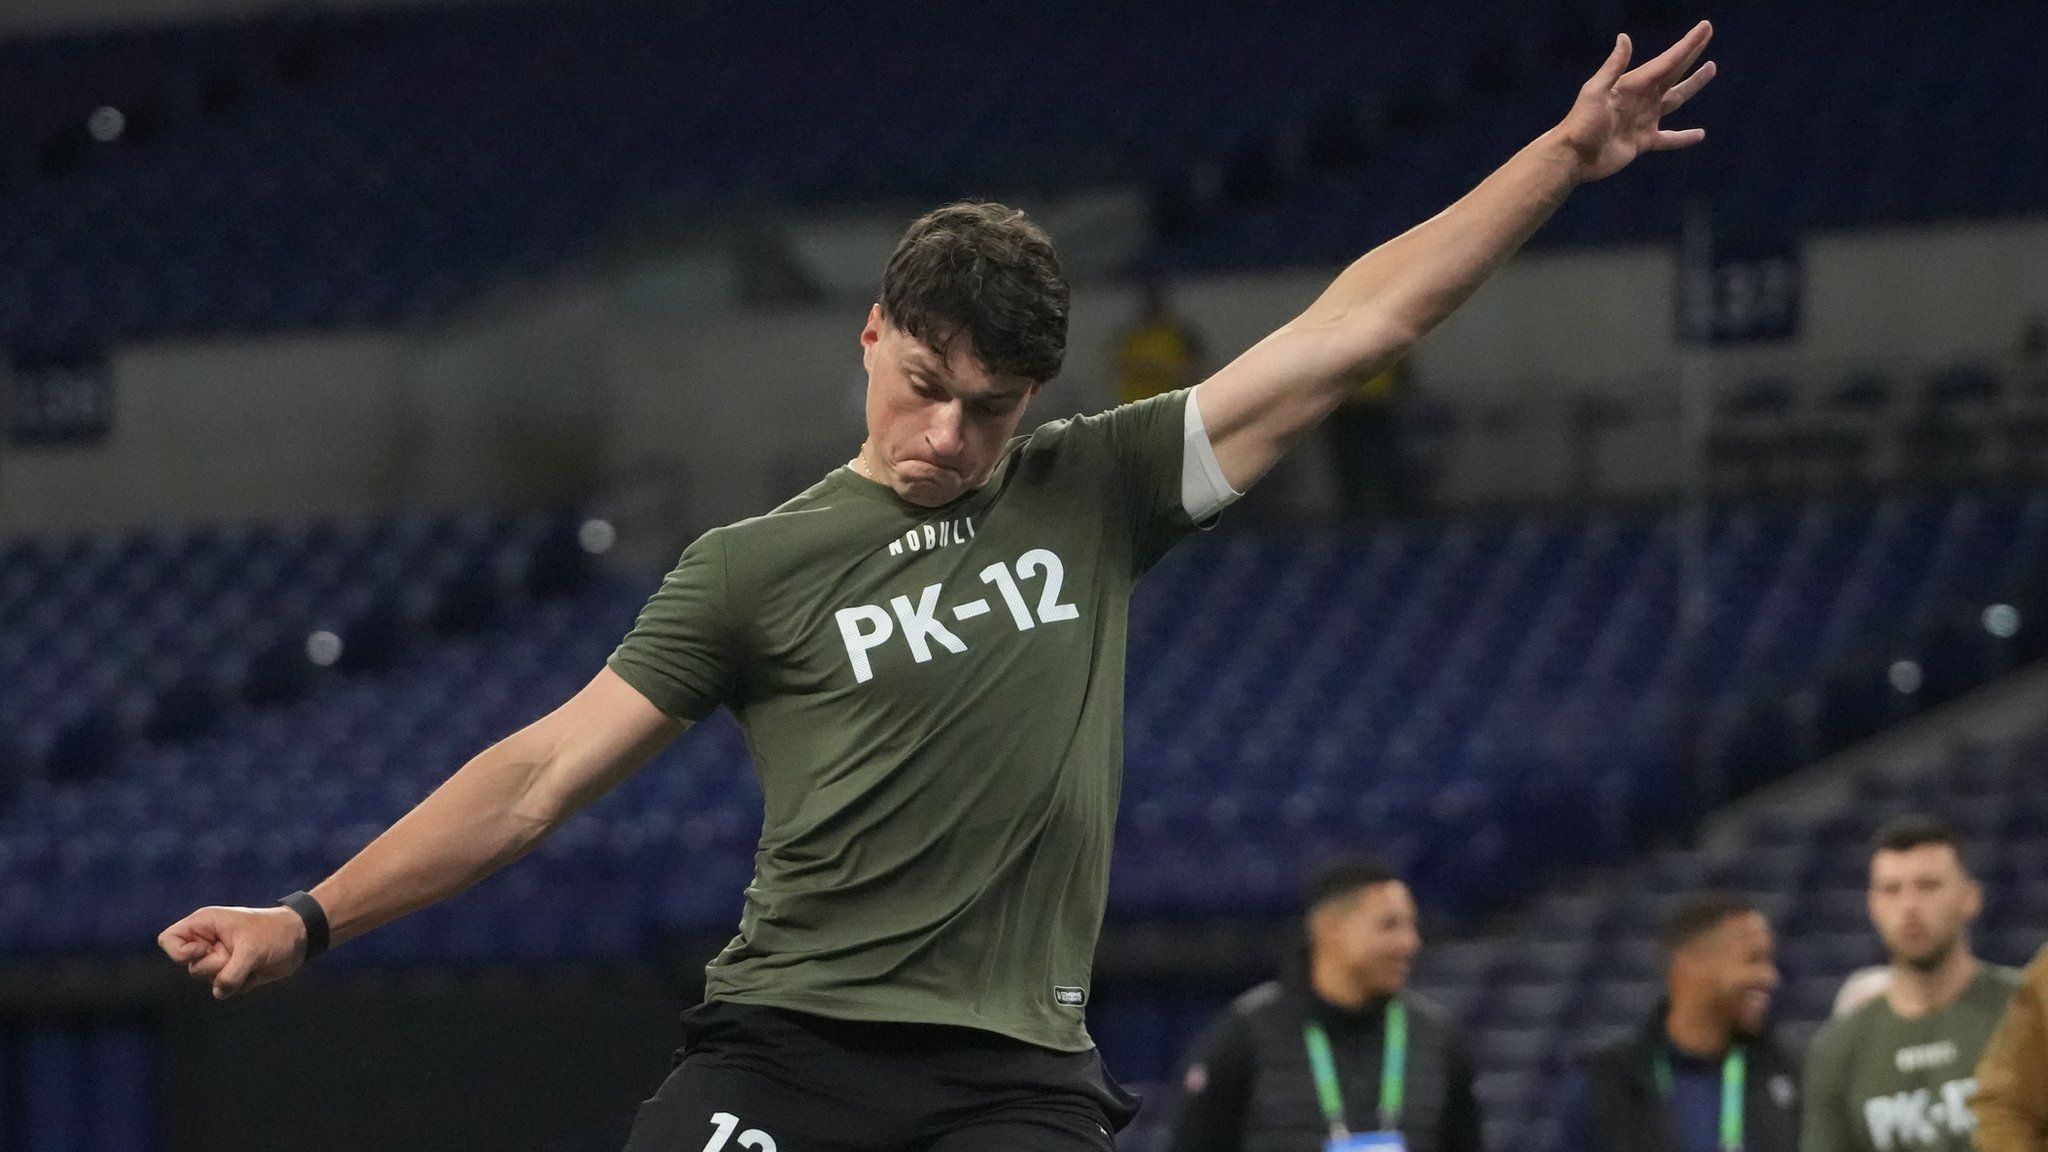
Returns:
point(1203, 490)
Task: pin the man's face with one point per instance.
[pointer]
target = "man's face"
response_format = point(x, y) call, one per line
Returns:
point(1736, 965)
point(936, 428)
point(1921, 901)
point(1372, 935)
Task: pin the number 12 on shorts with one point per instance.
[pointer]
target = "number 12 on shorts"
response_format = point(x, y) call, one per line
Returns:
point(723, 1124)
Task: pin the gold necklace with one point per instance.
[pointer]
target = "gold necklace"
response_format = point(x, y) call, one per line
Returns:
point(860, 465)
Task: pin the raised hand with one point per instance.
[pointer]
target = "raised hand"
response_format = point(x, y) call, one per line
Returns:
point(235, 949)
point(1618, 113)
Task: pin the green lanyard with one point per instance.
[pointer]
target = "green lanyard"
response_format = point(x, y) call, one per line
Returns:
point(1393, 1071)
point(1734, 1072)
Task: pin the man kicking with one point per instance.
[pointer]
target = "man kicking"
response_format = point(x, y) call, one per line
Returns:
point(926, 652)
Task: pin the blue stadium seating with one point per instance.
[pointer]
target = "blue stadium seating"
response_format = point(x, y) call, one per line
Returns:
point(1482, 700)
point(148, 635)
point(337, 171)
point(1830, 116)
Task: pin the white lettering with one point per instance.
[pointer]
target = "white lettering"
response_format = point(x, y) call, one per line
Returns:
point(1049, 607)
point(922, 623)
point(940, 534)
point(1877, 1116)
point(866, 627)
point(859, 642)
point(1923, 1056)
point(1918, 1119)
point(723, 1124)
point(1958, 1094)
point(1918, 1125)
point(999, 575)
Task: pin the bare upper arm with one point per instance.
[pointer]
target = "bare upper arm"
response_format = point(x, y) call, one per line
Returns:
point(1261, 404)
point(590, 744)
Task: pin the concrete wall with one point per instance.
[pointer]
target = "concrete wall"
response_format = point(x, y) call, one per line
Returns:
point(264, 428)
point(510, 410)
point(1550, 329)
point(710, 414)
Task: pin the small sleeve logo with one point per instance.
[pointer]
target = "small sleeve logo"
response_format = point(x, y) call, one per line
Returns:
point(1067, 996)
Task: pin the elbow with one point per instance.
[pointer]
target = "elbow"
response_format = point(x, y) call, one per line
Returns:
point(538, 813)
point(538, 802)
point(544, 802)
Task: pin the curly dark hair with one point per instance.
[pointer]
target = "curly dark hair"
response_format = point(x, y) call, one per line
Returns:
point(986, 272)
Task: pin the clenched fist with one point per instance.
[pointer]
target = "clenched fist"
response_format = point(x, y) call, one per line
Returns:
point(236, 949)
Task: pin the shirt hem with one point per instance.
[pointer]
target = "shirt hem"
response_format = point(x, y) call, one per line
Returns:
point(837, 1009)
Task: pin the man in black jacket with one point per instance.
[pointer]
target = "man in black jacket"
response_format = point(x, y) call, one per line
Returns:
point(1703, 1074)
point(1336, 1054)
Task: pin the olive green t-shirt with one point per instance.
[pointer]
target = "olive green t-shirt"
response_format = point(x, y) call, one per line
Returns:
point(1878, 1082)
point(933, 700)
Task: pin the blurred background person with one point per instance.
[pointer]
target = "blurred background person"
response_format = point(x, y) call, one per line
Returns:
point(2011, 1104)
point(1704, 1073)
point(2030, 358)
point(1160, 352)
point(1897, 1073)
point(1338, 1048)
point(1367, 452)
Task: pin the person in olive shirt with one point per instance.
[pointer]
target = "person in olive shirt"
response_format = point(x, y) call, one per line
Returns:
point(1161, 352)
point(1898, 1074)
point(1338, 1044)
point(925, 651)
point(1704, 1073)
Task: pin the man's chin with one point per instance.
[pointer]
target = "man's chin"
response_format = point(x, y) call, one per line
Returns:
point(1752, 1014)
point(931, 486)
point(924, 497)
point(1930, 958)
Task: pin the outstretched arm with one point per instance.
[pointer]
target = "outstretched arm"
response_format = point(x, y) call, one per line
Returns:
point(1259, 405)
point(497, 808)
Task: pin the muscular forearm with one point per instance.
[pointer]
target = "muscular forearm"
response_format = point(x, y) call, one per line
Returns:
point(1394, 295)
point(485, 816)
point(493, 811)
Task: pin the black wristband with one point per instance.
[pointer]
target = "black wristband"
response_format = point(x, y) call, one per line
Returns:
point(315, 917)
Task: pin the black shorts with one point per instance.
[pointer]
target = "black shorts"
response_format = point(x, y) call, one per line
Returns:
point(754, 1079)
